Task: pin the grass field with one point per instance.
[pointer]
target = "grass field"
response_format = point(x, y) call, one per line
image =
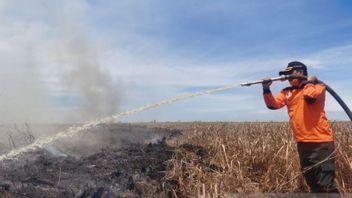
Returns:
point(217, 159)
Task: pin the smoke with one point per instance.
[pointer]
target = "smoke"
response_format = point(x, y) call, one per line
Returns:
point(49, 65)
point(98, 94)
point(22, 96)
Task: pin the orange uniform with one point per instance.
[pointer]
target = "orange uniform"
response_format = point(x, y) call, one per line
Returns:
point(305, 107)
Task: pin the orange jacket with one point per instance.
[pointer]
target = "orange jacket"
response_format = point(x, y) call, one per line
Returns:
point(305, 107)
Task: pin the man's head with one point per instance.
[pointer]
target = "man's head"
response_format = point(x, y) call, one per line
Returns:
point(295, 68)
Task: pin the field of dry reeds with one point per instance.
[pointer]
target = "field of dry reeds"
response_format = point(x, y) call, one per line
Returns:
point(194, 159)
point(218, 159)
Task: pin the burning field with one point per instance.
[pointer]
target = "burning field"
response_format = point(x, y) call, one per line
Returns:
point(164, 160)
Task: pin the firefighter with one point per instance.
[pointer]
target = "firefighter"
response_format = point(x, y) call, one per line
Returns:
point(305, 100)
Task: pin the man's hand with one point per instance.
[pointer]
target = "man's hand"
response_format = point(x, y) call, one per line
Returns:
point(266, 83)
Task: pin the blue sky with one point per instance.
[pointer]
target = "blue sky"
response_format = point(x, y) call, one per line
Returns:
point(153, 50)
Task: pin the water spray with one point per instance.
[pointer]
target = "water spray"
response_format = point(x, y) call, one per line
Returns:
point(40, 143)
point(328, 88)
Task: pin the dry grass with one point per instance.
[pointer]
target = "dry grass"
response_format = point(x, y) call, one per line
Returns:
point(215, 159)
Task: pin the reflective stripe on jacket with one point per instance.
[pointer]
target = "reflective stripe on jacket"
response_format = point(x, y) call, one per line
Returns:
point(305, 107)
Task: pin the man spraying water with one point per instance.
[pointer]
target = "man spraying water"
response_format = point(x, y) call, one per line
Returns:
point(305, 100)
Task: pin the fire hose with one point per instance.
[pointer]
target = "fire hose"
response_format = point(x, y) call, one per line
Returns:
point(328, 89)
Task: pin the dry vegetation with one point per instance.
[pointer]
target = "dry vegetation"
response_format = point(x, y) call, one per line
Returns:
point(217, 159)
point(169, 160)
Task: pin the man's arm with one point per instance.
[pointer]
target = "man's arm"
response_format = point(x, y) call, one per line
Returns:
point(312, 90)
point(273, 102)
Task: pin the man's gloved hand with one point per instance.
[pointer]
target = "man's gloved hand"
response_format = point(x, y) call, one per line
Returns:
point(266, 83)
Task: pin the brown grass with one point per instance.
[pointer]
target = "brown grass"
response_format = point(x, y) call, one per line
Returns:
point(215, 159)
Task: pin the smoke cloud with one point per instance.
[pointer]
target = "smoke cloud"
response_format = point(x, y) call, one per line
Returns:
point(50, 67)
point(98, 93)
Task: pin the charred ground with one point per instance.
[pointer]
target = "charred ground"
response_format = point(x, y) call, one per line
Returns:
point(123, 161)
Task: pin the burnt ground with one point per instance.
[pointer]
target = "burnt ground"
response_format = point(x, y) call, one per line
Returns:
point(127, 161)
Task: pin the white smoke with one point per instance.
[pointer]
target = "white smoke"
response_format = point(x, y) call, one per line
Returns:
point(47, 55)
